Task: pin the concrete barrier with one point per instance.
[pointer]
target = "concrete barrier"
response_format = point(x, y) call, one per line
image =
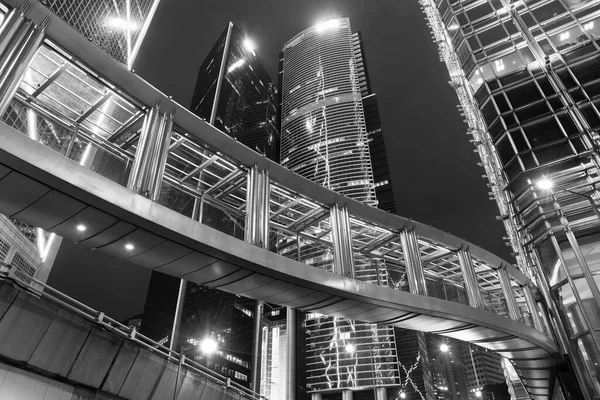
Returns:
point(50, 353)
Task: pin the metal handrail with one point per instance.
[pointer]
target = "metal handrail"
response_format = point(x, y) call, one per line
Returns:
point(44, 291)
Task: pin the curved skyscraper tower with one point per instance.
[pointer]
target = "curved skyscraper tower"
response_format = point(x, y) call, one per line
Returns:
point(323, 130)
point(327, 136)
point(527, 75)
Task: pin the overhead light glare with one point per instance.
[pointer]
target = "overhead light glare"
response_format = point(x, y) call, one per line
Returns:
point(81, 228)
point(544, 184)
point(249, 45)
point(121, 24)
point(129, 246)
point(453, 27)
point(327, 25)
point(208, 346)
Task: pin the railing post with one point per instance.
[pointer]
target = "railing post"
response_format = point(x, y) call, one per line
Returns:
point(414, 264)
point(471, 284)
point(532, 306)
point(509, 294)
point(343, 258)
point(256, 232)
point(19, 41)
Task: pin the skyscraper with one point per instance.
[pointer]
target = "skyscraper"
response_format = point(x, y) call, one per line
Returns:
point(235, 94)
point(117, 27)
point(526, 75)
point(327, 136)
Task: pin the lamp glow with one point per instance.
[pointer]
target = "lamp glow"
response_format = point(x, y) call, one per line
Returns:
point(81, 228)
point(129, 246)
point(544, 184)
point(402, 395)
point(478, 393)
point(208, 346)
point(444, 348)
point(350, 348)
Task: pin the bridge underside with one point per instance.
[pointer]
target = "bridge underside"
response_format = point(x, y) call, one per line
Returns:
point(42, 188)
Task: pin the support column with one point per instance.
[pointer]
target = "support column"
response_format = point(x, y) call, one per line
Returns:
point(471, 284)
point(137, 181)
point(178, 315)
point(257, 208)
point(161, 153)
point(343, 258)
point(256, 347)
point(347, 395)
point(291, 354)
point(532, 306)
point(381, 393)
point(19, 42)
point(257, 233)
point(414, 264)
point(511, 303)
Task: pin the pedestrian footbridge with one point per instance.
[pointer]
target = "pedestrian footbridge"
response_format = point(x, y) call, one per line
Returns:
point(91, 152)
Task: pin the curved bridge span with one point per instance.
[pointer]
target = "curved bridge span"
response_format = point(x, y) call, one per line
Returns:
point(138, 172)
point(171, 243)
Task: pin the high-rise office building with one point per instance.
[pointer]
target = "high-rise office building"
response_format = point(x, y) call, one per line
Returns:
point(235, 94)
point(527, 78)
point(117, 27)
point(327, 136)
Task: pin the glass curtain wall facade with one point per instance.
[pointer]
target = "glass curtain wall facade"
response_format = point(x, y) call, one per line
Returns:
point(232, 77)
point(326, 137)
point(116, 26)
point(527, 74)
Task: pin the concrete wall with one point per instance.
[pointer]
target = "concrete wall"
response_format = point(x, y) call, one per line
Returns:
point(18, 384)
point(93, 362)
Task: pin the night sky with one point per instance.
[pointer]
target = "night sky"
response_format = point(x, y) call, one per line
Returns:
point(434, 169)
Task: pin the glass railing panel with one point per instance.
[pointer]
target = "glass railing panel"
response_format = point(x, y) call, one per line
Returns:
point(455, 293)
point(396, 275)
point(435, 288)
point(524, 311)
point(51, 133)
point(100, 158)
point(223, 219)
point(176, 199)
